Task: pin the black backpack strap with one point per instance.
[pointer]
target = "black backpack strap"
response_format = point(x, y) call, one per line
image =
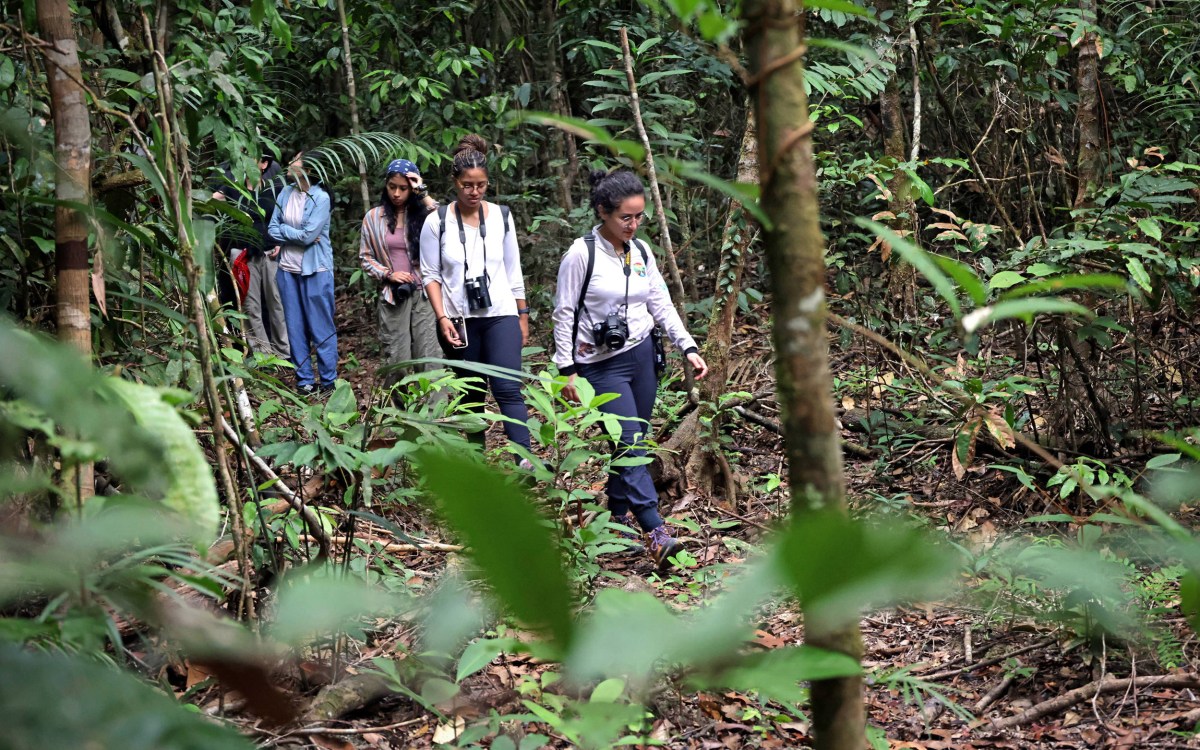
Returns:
point(441, 233)
point(504, 213)
point(645, 257)
point(590, 241)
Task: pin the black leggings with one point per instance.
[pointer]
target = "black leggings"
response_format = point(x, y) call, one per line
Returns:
point(496, 342)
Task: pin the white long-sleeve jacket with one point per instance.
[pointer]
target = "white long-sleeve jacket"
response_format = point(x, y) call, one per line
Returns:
point(649, 302)
point(503, 262)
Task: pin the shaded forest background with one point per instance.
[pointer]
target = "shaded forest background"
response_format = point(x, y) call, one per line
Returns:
point(1008, 208)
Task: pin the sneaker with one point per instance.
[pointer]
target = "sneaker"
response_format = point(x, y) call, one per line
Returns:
point(663, 546)
point(628, 536)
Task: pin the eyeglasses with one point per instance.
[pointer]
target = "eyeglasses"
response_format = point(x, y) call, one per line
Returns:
point(628, 220)
point(473, 187)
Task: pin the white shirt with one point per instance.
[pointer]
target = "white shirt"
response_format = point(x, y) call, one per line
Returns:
point(450, 263)
point(649, 301)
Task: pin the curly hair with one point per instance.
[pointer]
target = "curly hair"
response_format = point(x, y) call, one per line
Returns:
point(470, 153)
point(610, 189)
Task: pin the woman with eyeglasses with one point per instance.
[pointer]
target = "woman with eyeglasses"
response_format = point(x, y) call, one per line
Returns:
point(471, 268)
point(610, 296)
point(389, 251)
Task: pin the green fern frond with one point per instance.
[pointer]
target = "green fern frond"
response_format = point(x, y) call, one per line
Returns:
point(190, 491)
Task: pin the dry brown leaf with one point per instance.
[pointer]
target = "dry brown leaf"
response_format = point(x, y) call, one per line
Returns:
point(98, 282)
point(448, 731)
point(196, 674)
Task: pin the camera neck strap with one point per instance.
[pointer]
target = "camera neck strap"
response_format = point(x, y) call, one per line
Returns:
point(462, 238)
point(590, 240)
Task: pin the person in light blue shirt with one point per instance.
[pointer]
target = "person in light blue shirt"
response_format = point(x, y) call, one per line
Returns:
point(300, 224)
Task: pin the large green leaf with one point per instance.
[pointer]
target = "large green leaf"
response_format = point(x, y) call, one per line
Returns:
point(838, 566)
point(710, 636)
point(315, 603)
point(1024, 308)
point(777, 674)
point(55, 701)
point(59, 383)
point(1063, 283)
point(919, 259)
point(190, 489)
point(573, 125)
point(507, 538)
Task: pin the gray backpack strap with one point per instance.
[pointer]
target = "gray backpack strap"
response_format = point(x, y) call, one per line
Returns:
point(504, 214)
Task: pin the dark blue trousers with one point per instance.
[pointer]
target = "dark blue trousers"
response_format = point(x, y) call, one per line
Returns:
point(497, 341)
point(630, 375)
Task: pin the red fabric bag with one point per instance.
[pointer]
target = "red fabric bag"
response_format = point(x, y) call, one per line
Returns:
point(241, 274)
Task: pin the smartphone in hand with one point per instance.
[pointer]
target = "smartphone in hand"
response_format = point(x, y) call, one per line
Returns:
point(460, 330)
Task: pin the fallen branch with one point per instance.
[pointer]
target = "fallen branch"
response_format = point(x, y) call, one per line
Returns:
point(391, 546)
point(989, 661)
point(993, 695)
point(758, 419)
point(1080, 694)
point(311, 521)
point(348, 695)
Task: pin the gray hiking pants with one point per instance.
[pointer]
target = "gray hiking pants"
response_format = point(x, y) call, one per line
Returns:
point(264, 310)
point(408, 331)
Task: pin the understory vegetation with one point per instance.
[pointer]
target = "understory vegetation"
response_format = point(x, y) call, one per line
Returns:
point(195, 555)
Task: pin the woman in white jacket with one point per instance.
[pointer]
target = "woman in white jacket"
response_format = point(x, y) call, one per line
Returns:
point(610, 296)
point(471, 268)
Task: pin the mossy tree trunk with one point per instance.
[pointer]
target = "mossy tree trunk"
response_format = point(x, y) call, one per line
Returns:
point(1089, 160)
point(73, 176)
point(795, 249)
point(693, 449)
point(901, 276)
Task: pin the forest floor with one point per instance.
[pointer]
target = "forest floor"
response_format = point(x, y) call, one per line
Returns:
point(973, 671)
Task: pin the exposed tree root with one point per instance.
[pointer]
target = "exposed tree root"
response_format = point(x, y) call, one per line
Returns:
point(1080, 694)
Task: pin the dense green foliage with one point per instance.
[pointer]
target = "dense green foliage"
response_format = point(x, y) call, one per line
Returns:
point(1053, 340)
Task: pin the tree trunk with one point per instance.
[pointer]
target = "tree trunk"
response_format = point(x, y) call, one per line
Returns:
point(795, 255)
point(674, 280)
point(1087, 82)
point(901, 276)
point(688, 458)
point(564, 157)
point(73, 175)
point(352, 95)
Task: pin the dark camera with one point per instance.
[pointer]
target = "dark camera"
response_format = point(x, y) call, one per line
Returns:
point(478, 296)
point(402, 291)
point(613, 332)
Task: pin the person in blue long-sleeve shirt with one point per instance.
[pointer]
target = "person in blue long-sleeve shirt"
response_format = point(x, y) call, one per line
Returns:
point(300, 224)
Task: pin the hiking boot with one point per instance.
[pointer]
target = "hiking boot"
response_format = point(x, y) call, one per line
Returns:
point(663, 546)
point(628, 536)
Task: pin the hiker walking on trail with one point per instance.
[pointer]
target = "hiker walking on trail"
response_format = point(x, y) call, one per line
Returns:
point(300, 225)
point(471, 268)
point(389, 250)
point(610, 297)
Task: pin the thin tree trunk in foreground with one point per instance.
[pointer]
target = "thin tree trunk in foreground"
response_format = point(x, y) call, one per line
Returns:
point(901, 276)
point(702, 461)
point(664, 228)
point(352, 93)
point(1087, 82)
point(795, 255)
point(73, 175)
